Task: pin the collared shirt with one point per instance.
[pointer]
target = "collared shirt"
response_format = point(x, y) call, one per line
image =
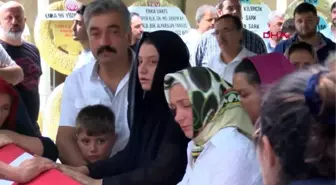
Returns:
point(208, 45)
point(269, 48)
point(85, 57)
point(228, 158)
point(226, 70)
point(84, 87)
point(329, 34)
point(191, 39)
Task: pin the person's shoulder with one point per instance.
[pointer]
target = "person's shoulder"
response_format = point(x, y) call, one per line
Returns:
point(29, 45)
point(81, 73)
point(252, 35)
point(230, 138)
point(248, 53)
point(208, 34)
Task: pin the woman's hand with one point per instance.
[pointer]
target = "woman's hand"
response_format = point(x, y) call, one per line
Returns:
point(78, 176)
point(5, 140)
point(31, 168)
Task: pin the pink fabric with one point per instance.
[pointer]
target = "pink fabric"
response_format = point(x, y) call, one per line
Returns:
point(271, 67)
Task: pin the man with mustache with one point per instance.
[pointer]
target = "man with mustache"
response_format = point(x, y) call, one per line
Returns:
point(26, 55)
point(229, 34)
point(331, 31)
point(103, 81)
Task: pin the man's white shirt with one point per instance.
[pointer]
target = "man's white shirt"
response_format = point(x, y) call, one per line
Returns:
point(5, 59)
point(226, 70)
point(191, 39)
point(83, 87)
point(84, 58)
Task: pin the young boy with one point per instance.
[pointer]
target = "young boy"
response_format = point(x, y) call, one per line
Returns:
point(95, 132)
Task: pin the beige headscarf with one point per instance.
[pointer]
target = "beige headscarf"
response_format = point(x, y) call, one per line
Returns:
point(215, 104)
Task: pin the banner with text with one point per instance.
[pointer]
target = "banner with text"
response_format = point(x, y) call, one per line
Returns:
point(255, 17)
point(162, 18)
point(58, 15)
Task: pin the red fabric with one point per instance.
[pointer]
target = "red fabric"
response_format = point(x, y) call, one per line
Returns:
point(271, 67)
point(51, 177)
point(7, 88)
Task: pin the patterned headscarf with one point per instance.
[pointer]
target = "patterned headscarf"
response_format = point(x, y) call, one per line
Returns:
point(215, 104)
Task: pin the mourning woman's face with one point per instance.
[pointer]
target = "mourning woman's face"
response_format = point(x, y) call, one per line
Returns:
point(249, 95)
point(182, 107)
point(5, 105)
point(148, 61)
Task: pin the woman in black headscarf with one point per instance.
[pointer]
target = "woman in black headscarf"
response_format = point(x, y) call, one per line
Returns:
point(156, 151)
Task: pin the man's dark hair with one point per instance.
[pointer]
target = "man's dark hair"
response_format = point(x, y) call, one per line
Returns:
point(236, 20)
point(96, 120)
point(333, 6)
point(305, 8)
point(288, 26)
point(134, 14)
point(81, 10)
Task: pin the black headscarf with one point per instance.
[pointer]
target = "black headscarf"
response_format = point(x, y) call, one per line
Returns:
point(173, 56)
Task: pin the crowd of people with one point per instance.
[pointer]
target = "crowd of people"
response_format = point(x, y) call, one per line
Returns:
point(219, 105)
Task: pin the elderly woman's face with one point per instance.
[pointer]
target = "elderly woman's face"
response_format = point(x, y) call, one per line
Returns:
point(180, 104)
point(5, 105)
point(148, 61)
point(301, 58)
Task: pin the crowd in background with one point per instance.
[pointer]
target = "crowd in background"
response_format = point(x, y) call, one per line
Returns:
point(219, 105)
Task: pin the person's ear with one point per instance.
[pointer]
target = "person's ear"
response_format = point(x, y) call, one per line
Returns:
point(219, 12)
point(268, 156)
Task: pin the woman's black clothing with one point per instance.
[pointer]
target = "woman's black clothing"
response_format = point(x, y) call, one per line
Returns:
point(156, 151)
point(24, 126)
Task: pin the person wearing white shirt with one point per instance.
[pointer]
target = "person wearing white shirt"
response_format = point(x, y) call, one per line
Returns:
point(205, 19)
point(208, 111)
point(9, 70)
point(104, 81)
point(229, 33)
point(79, 34)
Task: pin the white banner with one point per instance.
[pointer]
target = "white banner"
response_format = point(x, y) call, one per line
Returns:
point(58, 15)
point(162, 18)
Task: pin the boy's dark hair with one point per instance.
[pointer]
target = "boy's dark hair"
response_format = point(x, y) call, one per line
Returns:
point(236, 20)
point(81, 10)
point(305, 8)
point(288, 26)
point(96, 120)
point(301, 46)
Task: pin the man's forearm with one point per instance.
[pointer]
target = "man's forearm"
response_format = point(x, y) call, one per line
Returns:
point(12, 74)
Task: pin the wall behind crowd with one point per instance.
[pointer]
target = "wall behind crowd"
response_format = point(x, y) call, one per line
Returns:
point(188, 6)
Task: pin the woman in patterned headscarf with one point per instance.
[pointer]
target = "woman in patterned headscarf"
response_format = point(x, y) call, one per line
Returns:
point(209, 112)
